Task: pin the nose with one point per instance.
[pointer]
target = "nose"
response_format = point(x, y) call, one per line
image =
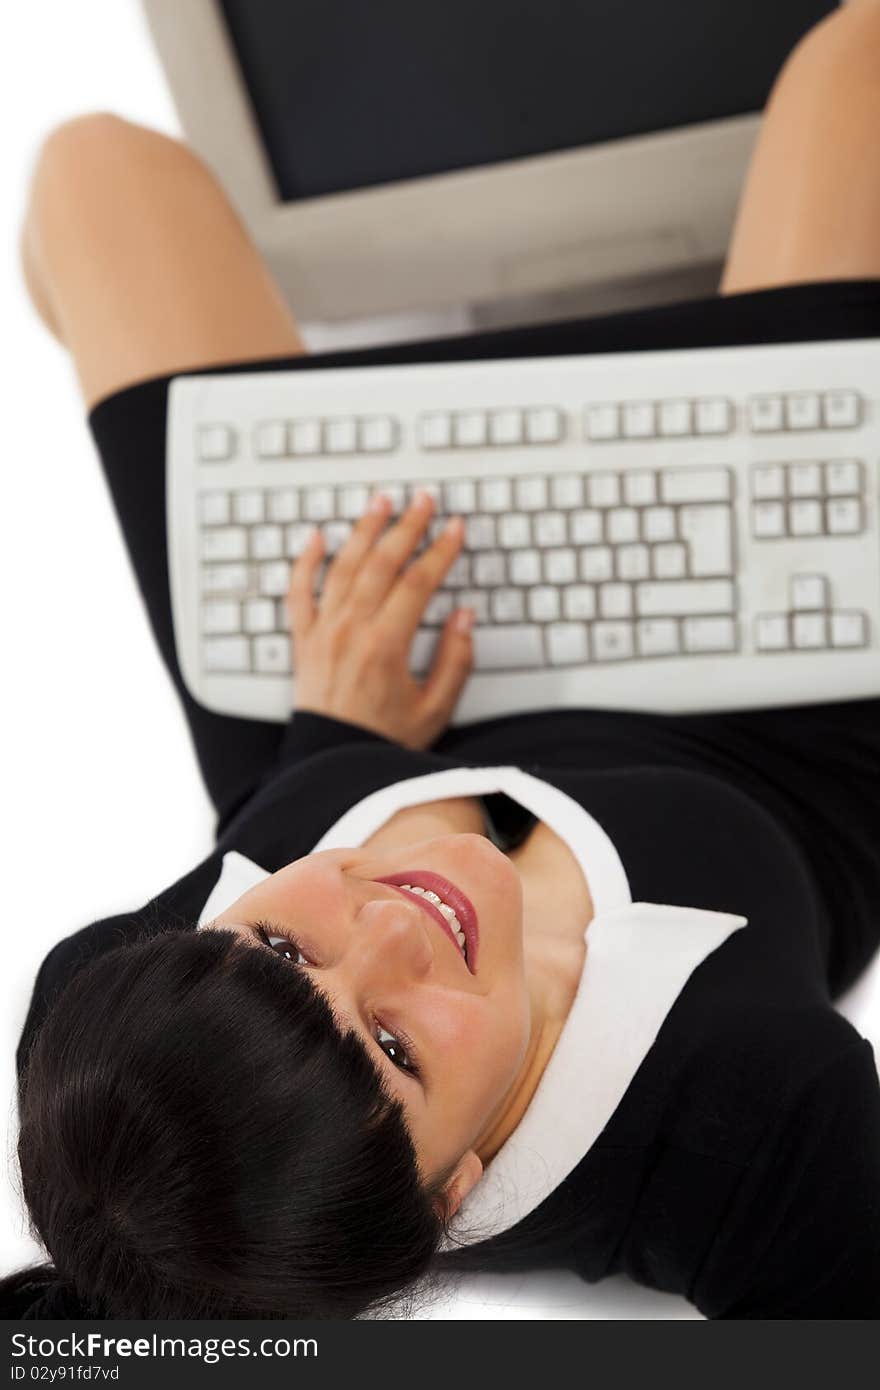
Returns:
point(394, 937)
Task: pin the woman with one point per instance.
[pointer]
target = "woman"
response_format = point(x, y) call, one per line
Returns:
point(295, 1083)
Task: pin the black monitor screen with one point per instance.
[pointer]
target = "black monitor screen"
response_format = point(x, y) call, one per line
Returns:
point(353, 93)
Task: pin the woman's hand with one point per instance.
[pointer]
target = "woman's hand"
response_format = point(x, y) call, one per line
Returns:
point(351, 646)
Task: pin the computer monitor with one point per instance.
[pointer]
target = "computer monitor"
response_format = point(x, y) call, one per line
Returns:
point(394, 156)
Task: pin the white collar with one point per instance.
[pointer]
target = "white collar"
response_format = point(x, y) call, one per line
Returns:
point(640, 957)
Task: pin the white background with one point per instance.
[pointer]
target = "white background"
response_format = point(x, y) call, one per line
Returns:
point(102, 804)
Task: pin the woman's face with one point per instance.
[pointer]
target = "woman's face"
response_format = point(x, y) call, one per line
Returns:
point(391, 972)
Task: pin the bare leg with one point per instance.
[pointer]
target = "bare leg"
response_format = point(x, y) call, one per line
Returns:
point(810, 207)
point(137, 261)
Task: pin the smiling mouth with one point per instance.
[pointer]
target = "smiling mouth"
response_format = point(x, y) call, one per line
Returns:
point(446, 904)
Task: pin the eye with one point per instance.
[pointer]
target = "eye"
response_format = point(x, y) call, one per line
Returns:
point(398, 1050)
point(270, 936)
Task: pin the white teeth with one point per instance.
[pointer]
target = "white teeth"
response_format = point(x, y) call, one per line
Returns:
point(448, 912)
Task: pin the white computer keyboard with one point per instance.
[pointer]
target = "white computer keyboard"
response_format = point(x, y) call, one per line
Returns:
point(686, 530)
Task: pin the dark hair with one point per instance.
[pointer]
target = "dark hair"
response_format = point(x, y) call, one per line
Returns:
point(200, 1139)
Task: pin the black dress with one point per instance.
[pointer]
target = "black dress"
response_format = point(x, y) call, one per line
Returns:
point(742, 1166)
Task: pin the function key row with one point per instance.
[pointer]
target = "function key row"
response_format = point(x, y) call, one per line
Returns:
point(807, 478)
point(283, 439)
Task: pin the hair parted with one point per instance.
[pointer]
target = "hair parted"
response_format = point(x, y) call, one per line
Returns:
point(199, 1139)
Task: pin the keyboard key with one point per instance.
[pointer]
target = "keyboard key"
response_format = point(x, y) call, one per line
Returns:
point(808, 591)
point(214, 508)
point(216, 443)
point(489, 569)
point(843, 476)
point(433, 489)
point(396, 494)
point(267, 543)
point(336, 533)
point(714, 416)
point(768, 481)
point(638, 419)
point(708, 532)
point(841, 409)
point(477, 599)
point(506, 427)
point(567, 490)
point(657, 636)
point(259, 615)
point(524, 567)
point(658, 524)
point(274, 579)
point(695, 485)
point(596, 562)
point(809, 630)
point(771, 632)
point(768, 520)
point(507, 648)
point(849, 629)
point(224, 543)
point(844, 516)
point(615, 600)
point(438, 608)
point(675, 418)
point(805, 518)
point(669, 560)
point(602, 422)
point(639, 489)
point(270, 440)
point(353, 501)
point(549, 528)
point(458, 576)
point(435, 431)
point(377, 434)
point(709, 634)
point(543, 604)
point(508, 605)
point(543, 425)
point(633, 562)
point(514, 531)
point(272, 655)
point(459, 496)
point(304, 437)
point(612, 641)
point(317, 503)
point(685, 596)
point(283, 505)
point(226, 654)
point(567, 644)
point(803, 411)
point(579, 601)
point(422, 650)
point(560, 566)
point(621, 525)
point(804, 480)
point(530, 493)
point(585, 527)
point(603, 489)
point(221, 617)
point(247, 507)
point(225, 579)
point(765, 414)
point(296, 539)
point(340, 436)
point(479, 532)
point(470, 429)
point(496, 495)
point(282, 615)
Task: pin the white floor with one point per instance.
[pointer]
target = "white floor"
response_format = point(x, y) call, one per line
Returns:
point(102, 804)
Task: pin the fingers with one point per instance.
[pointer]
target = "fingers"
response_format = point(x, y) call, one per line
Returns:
point(301, 603)
point(403, 609)
point(347, 562)
point(379, 568)
point(452, 665)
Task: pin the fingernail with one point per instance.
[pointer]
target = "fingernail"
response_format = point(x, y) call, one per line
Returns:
point(455, 523)
point(378, 502)
point(422, 498)
point(464, 620)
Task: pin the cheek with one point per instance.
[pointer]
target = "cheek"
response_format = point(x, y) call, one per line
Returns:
point(483, 1042)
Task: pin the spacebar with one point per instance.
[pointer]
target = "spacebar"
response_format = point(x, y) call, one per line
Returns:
point(507, 646)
